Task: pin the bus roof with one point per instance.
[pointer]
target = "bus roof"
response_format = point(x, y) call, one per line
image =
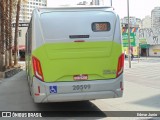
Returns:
point(46, 9)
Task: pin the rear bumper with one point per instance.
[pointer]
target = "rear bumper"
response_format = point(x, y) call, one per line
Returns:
point(76, 91)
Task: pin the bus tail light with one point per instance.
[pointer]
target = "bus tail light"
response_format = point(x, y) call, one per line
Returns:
point(121, 86)
point(38, 93)
point(37, 68)
point(120, 66)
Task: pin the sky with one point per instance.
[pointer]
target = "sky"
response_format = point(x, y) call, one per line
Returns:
point(137, 8)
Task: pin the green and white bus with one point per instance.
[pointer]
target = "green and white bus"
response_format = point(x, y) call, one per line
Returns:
point(74, 54)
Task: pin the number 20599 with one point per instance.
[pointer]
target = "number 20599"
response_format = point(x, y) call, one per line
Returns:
point(81, 87)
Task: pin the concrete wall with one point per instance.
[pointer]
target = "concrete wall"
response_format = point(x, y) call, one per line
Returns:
point(152, 36)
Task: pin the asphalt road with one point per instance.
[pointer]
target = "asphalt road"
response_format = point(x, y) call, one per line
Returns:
point(15, 96)
point(142, 92)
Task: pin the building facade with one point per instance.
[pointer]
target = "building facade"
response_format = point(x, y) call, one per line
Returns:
point(27, 8)
point(146, 41)
point(149, 35)
point(83, 3)
point(25, 16)
point(146, 22)
point(95, 2)
point(134, 22)
point(155, 14)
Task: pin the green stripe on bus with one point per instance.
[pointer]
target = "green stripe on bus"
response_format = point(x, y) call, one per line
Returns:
point(60, 61)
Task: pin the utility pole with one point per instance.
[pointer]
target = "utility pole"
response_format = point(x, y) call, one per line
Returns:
point(129, 42)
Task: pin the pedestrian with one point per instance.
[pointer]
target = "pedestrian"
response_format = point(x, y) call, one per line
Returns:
point(132, 56)
point(125, 54)
point(131, 53)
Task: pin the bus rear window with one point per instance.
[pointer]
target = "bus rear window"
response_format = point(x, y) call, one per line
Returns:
point(100, 26)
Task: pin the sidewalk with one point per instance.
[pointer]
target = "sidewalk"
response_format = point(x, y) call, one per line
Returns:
point(135, 98)
point(22, 64)
point(140, 90)
point(144, 58)
point(12, 71)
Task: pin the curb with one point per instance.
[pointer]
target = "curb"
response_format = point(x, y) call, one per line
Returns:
point(10, 72)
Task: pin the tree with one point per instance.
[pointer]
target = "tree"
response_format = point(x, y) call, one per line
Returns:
point(6, 32)
point(16, 32)
point(7, 8)
point(2, 35)
point(6, 11)
point(10, 32)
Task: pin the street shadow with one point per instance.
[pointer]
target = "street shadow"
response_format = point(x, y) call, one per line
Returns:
point(153, 101)
point(71, 109)
point(18, 86)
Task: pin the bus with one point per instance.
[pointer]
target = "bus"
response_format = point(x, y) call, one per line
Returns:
point(74, 54)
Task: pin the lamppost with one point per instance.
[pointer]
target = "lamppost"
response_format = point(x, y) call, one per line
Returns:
point(129, 43)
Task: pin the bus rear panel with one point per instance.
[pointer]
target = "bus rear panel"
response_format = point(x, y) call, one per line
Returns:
point(75, 54)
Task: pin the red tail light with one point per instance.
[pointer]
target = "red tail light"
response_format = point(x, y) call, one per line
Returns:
point(121, 86)
point(120, 66)
point(37, 68)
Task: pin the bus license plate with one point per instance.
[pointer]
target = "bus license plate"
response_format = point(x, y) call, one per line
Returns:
point(80, 77)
